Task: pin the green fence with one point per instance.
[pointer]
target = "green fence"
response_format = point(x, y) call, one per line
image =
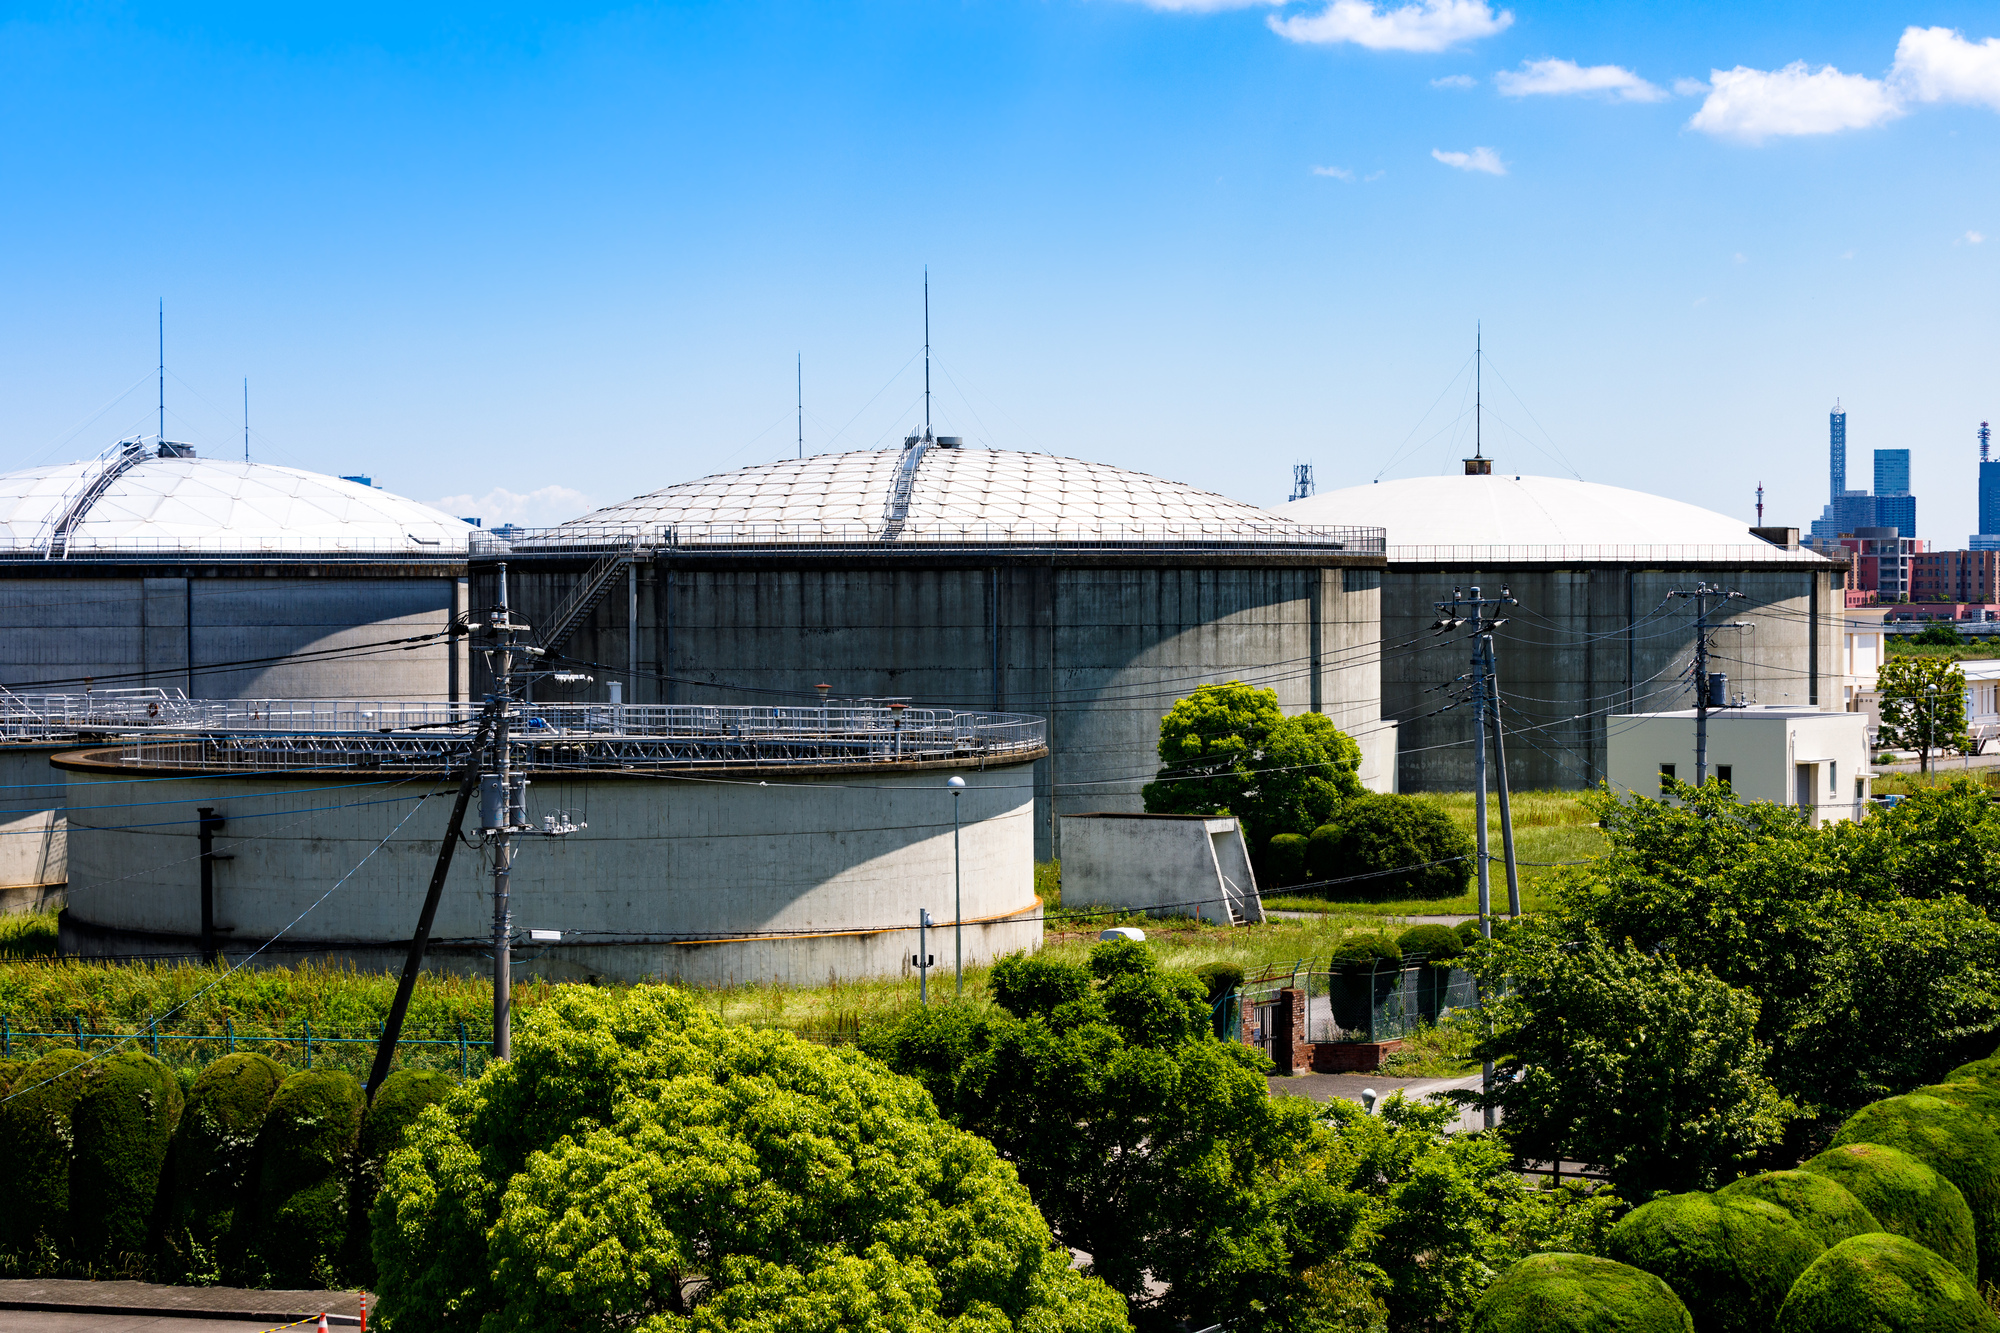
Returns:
point(458, 1049)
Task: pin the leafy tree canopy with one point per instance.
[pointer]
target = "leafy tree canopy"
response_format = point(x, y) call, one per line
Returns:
point(1229, 749)
point(1923, 705)
point(1157, 1150)
point(1869, 969)
point(639, 1164)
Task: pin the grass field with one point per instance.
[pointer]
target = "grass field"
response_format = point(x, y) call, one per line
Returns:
point(27, 934)
point(1550, 828)
point(1964, 652)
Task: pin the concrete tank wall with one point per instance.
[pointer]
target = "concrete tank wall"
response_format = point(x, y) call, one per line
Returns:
point(180, 628)
point(1102, 648)
point(33, 847)
point(1586, 643)
point(795, 882)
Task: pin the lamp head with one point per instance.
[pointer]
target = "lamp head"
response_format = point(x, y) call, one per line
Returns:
point(955, 784)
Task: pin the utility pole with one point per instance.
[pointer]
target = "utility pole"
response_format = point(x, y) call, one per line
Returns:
point(1498, 730)
point(1704, 685)
point(923, 957)
point(957, 785)
point(1485, 694)
point(205, 829)
point(503, 810)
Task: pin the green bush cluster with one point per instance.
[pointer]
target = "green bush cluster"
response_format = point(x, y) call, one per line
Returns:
point(1285, 859)
point(1440, 944)
point(251, 1177)
point(1376, 832)
point(1576, 1293)
point(1889, 1229)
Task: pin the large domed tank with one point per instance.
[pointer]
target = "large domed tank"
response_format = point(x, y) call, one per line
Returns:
point(150, 566)
point(962, 577)
point(1596, 632)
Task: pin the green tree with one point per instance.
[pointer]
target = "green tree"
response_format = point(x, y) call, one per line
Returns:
point(1626, 1060)
point(1938, 634)
point(1862, 988)
point(1229, 749)
point(1923, 706)
point(638, 1164)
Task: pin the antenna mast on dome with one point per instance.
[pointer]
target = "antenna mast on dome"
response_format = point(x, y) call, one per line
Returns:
point(1479, 465)
point(802, 404)
point(246, 418)
point(163, 370)
point(927, 351)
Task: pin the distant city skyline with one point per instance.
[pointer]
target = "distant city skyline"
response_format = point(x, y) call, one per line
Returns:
point(522, 261)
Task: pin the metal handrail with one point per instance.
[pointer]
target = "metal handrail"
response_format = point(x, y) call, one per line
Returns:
point(695, 538)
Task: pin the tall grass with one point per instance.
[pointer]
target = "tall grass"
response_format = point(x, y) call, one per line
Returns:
point(28, 935)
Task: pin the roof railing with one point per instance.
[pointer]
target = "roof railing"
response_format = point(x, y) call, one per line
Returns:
point(697, 538)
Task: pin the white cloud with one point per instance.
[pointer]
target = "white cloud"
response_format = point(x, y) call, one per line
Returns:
point(1973, 238)
point(1375, 175)
point(1426, 25)
point(1740, 259)
point(1454, 81)
point(1204, 6)
point(1338, 173)
point(1690, 87)
point(1564, 77)
point(1939, 65)
point(1479, 159)
point(1753, 104)
point(543, 507)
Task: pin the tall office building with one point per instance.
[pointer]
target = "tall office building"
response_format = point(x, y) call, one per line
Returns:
point(1988, 536)
point(1846, 511)
point(1895, 507)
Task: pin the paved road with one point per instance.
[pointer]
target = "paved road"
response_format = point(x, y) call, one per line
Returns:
point(1387, 920)
point(65, 1321)
point(1349, 1087)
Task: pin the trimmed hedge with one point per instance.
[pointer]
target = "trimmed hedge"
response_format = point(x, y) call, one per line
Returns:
point(1285, 859)
point(1976, 1096)
point(1575, 1293)
point(1731, 1261)
point(395, 1107)
point(35, 1146)
point(1985, 1071)
point(8, 1069)
point(1219, 978)
point(1906, 1197)
point(305, 1153)
point(211, 1206)
point(121, 1127)
point(1440, 944)
point(1883, 1283)
point(1822, 1205)
point(1951, 1140)
point(1378, 831)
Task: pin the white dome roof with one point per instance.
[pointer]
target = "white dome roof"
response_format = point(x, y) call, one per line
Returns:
point(936, 492)
point(1520, 517)
point(133, 500)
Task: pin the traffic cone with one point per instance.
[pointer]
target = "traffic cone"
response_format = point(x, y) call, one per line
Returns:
point(322, 1323)
point(364, 1312)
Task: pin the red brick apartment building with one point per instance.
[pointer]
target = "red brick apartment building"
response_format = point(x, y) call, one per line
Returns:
point(1955, 576)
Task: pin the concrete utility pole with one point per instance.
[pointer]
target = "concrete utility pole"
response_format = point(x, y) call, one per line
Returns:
point(503, 812)
point(1705, 685)
point(1485, 696)
point(957, 785)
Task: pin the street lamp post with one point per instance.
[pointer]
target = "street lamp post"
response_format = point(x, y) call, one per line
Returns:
point(957, 785)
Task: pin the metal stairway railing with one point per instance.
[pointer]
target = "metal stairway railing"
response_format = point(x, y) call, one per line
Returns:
point(596, 583)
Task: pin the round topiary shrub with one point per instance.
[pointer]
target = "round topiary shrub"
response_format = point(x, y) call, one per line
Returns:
point(1285, 859)
point(35, 1138)
point(304, 1155)
point(1820, 1204)
point(121, 1126)
point(211, 1209)
point(1440, 944)
point(1983, 1099)
point(394, 1108)
point(1954, 1142)
point(1219, 978)
point(1366, 950)
point(1985, 1071)
point(1731, 1261)
point(8, 1070)
point(1906, 1197)
point(1378, 832)
point(1883, 1283)
point(1575, 1293)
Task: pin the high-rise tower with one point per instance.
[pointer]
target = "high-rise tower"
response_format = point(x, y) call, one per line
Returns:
point(1837, 453)
point(1845, 510)
point(1895, 506)
point(1988, 536)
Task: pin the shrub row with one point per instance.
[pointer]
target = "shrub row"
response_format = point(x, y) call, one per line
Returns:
point(1891, 1228)
point(255, 1177)
point(1370, 834)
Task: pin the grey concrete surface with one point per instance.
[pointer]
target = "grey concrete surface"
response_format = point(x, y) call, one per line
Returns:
point(1101, 646)
point(1169, 865)
point(77, 1304)
point(789, 883)
point(1586, 642)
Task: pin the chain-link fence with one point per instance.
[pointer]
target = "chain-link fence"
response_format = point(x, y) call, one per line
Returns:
point(456, 1049)
point(1376, 1001)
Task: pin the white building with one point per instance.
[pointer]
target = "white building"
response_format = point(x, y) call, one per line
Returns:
point(1793, 756)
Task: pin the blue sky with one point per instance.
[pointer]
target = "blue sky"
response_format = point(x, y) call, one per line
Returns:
point(527, 263)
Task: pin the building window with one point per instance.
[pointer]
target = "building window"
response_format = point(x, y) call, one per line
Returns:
point(1833, 775)
point(1666, 776)
point(1722, 774)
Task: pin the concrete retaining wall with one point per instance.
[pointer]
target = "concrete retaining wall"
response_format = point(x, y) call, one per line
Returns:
point(729, 880)
point(33, 845)
point(1166, 865)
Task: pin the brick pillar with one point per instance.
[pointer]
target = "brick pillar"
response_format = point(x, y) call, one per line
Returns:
point(1290, 1050)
